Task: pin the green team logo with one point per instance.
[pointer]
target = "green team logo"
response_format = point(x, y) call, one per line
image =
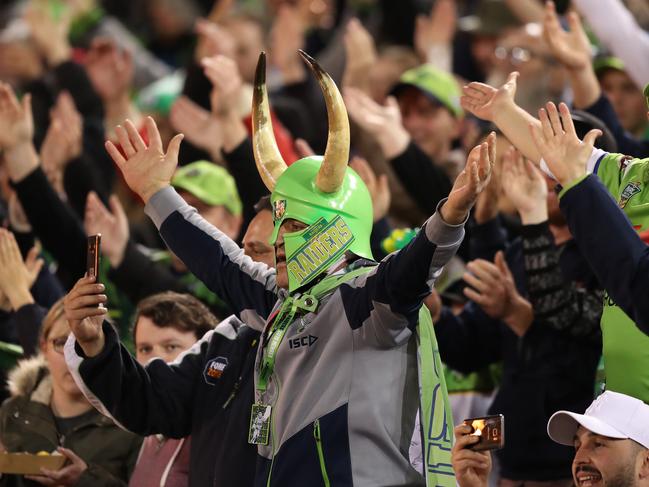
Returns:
point(279, 208)
point(324, 243)
point(628, 192)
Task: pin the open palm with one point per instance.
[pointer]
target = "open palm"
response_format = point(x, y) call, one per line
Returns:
point(557, 142)
point(146, 169)
point(571, 48)
point(484, 101)
point(16, 122)
point(524, 185)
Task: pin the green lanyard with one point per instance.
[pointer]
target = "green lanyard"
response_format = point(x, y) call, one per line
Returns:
point(306, 302)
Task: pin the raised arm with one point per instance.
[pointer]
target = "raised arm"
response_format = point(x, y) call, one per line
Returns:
point(403, 280)
point(247, 287)
point(558, 302)
point(497, 105)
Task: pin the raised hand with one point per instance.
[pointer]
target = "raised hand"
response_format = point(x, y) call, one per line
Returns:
point(571, 48)
point(16, 122)
point(199, 125)
point(472, 181)
point(525, 187)
point(471, 468)
point(146, 169)
point(63, 139)
point(485, 101)
point(17, 277)
point(436, 29)
point(286, 38)
point(487, 204)
point(377, 186)
point(557, 142)
point(50, 34)
point(360, 55)
point(226, 81)
point(112, 225)
point(383, 122)
point(213, 40)
point(85, 312)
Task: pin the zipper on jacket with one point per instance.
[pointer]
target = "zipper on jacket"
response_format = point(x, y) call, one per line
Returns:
point(235, 389)
point(318, 445)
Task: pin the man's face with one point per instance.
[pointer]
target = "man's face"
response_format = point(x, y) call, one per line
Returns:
point(627, 99)
point(606, 462)
point(166, 342)
point(255, 241)
point(431, 126)
point(288, 226)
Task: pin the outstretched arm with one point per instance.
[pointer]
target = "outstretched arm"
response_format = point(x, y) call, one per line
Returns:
point(497, 105)
point(247, 287)
point(402, 281)
point(614, 251)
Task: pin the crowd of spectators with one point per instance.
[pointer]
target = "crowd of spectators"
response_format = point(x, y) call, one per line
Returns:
point(542, 316)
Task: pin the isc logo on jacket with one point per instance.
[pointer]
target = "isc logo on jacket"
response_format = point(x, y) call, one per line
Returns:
point(300, 342)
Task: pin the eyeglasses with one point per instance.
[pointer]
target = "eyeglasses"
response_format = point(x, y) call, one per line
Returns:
point(58, 344)
point(516, 55)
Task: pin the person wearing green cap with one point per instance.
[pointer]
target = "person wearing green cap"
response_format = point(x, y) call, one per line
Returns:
point(338, 382)
point(415, 131)
point(212, 191)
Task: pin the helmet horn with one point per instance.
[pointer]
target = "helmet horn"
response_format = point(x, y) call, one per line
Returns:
point(336, 156)
point(268, 158)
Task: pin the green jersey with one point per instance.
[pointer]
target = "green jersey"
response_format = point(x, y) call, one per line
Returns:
point(625, 347)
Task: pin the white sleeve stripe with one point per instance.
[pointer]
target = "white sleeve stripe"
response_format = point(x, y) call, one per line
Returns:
point(74, 363)
point(257, 271)
point(591, 164)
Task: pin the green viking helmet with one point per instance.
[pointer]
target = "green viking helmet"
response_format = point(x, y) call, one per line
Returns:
point(322, 192)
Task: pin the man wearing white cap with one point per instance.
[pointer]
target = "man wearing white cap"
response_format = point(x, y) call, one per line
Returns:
point(611, 441)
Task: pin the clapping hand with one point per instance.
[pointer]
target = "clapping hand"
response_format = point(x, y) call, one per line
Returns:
point(472, 181)
point(111, 224)
point(17, 277)
point(525, 187)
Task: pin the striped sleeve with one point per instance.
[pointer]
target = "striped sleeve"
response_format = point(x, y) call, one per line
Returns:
point(248, 287)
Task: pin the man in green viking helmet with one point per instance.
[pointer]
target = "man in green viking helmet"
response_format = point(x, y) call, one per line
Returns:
point(348, 385)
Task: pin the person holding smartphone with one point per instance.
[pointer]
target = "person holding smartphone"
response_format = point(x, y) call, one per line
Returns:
point(346, 310)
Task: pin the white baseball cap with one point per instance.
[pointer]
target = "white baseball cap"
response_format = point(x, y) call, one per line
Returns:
point(612, 414)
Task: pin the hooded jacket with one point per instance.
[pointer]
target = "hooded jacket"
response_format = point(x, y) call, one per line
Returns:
point(27, 424)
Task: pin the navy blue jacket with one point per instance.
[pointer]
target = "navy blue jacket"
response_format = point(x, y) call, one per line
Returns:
point(614, 250)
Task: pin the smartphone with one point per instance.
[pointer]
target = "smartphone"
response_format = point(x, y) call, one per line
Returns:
point(490, 429)
point(92, 255)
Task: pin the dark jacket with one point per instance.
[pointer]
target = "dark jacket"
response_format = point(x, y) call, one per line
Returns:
point(207, 392)
point(545, 370)
point(28, 425)
point(618, 255)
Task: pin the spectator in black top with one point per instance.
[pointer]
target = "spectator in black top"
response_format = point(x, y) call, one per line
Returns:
point(541, 319)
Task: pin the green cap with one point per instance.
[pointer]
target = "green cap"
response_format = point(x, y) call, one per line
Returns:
point(646, 94)
point(438, 85)
point(210, 183)
point(607, 62)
